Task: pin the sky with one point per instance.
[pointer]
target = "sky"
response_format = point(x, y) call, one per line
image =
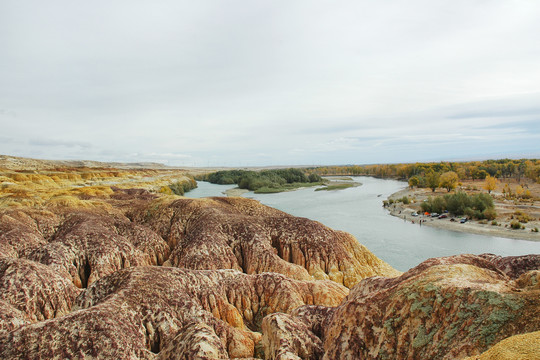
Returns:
point(261, 83)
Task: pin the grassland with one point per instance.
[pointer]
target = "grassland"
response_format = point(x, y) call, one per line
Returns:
point(83, 187)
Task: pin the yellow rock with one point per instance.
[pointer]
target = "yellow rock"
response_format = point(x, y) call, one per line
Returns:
point(517, 347)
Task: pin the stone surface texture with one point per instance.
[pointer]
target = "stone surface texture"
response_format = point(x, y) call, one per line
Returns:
point(517, 347)
point(445, 308)
point(163, 277)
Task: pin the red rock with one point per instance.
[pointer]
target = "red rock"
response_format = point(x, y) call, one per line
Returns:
point(444, 308)
point(514, 266)
point(248, 282)
point(284, 337)
point(10, 317)
point(88, 246)
point(20, 234)
point(242, 234)
point(35, 290)
point(142, 310)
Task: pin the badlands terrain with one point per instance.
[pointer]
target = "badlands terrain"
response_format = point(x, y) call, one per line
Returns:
point(103, 261)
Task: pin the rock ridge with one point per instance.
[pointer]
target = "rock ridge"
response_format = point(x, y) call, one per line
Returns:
point(167, 277)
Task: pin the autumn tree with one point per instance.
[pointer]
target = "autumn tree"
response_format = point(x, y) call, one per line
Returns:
point(449, 180)
point(490, 183)
point(519, 191)
point(432, 180)
point(414, 181)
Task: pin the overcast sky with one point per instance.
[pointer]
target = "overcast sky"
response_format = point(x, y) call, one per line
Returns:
point(280, 82)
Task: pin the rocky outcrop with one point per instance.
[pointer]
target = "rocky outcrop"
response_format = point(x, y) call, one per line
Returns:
point(219, 233)
point(35, 292)
point(284, 337)
point(10, 317)
point(514, 266)
point(517, 347)
point(445, 308)
point(146, 310)
point(88, 246)
point(21, 232)
point(148, 277)
point(242, 234)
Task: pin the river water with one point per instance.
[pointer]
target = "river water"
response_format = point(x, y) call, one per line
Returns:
point(359, 211)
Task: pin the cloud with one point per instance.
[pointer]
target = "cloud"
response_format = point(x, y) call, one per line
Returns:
point(56, 143)
point(194, 82)
point(8, 113)
point(5, 139)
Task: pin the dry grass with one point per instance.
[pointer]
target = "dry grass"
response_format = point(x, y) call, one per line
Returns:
point(77, 187)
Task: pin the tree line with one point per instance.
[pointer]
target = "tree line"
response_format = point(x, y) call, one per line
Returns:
point(427, 174)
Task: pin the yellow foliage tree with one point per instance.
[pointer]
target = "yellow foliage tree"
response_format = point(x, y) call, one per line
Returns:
point(448, 180)
point(490, 184)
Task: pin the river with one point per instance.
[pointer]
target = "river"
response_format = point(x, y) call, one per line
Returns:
point(359, 211)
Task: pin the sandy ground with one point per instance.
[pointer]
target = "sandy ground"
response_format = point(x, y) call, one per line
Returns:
point(504, 210)
point(235, 192)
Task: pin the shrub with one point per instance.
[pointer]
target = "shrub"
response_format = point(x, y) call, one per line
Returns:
point(489, 214)
point(165, 190)
point(224, 177)
point(181, 187)
point(478, 206)
point(457, 203)
point(516, 225)
point(482, 201)
point(494, 223)
point(527, 195)
point(535, 230)
point(473, 213)
point(521, 217)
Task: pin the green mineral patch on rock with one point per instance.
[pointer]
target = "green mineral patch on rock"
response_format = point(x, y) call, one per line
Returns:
point(422, 337)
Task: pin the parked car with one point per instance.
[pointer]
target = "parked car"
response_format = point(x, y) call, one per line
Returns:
point(442, 216)
point(414, 214)
point(463, 220)
point(434, 215)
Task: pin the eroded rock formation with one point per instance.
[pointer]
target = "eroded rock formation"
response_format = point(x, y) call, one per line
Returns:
point(149, 277)
point(242, 234)
point(35, 290)
point(88, 246)
point(142, 310)
point(517, 347)
point(445, 308)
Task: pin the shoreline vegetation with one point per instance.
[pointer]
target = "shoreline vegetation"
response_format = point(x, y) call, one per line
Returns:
point(275, 180)
point(510, 187)
point(500, 227)
point(264, 182)
point(513, 184)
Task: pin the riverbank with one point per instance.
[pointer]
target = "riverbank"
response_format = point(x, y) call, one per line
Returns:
point(501, 229)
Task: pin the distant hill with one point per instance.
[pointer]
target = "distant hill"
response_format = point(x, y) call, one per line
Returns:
point(20, 163)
